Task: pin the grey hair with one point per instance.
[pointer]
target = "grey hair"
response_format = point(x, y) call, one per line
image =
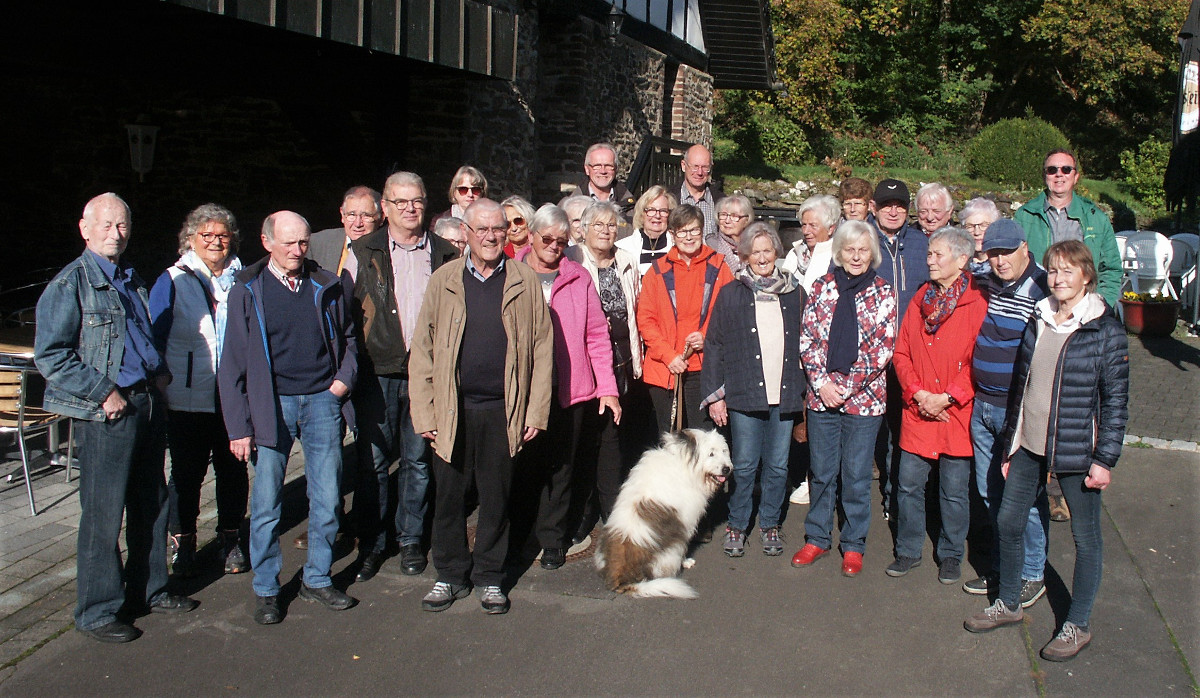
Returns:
point(363, 190)
point(446, 223)
point(477, 180)
point(758, 229)
point(852, 231)
point(208, 213)
point(479, 207)
point(935, 190)
point(599, 209)
point(648, 197)
point(90, 207)
point(827, 208)
point(603, 146)
point(959, 241)
point(549, 217)
point(400, 179)
point(523, 207)
point(980, 206)
point(738, 200)
point(268, 229)
point(576, 202)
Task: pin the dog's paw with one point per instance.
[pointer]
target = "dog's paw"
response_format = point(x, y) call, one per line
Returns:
point(689, 563)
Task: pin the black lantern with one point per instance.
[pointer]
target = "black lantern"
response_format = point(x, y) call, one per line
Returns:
point(615, 19)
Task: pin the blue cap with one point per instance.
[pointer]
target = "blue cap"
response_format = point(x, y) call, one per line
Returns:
point(1003, 234)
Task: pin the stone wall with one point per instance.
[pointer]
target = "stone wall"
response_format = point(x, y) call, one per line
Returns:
point(692, 106)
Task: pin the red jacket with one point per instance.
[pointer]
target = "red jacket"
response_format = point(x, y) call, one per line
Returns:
point(665, 319)
point(939, 363)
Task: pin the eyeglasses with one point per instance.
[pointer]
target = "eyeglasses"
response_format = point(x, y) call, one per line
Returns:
point(517, 221)
point(726, 216)
point(936, 212)
point(402, 204)
point(689, 233)
point(976, 226)
point(853, 203)
point(656, 211)
point(1065, 169)
point(481, 232)
point(601, 227)
point(602, 166)
point(550, 240)
point(463, 191)
point(209, 237)
point(355, 215)
point(698, 168)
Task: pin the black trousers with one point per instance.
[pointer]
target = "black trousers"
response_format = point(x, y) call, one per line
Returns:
point(194, 437)
point(693, 416)
point(480, 464)
point(556, 453)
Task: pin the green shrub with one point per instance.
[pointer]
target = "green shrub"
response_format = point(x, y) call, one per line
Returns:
point(1011, 152)
point(782, 141)
point(1144, 170)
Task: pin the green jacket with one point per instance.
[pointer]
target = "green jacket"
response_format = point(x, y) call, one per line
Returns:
point(1097, 235)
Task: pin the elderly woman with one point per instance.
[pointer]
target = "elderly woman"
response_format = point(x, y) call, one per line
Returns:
point(935, 207)
point(583, 370)
point(574, 206)
point(650, 239)
point(673, 311)
point(519, 213)
point(734, 213)
point(933, 358)
point(452, 230)
point(846, 341)
point(811, 256)
point(976, 215)
point(188, 311)
point(855, 194)
point(615, 274)
point(1071, 383)
point(752, 359)
point(467, 185)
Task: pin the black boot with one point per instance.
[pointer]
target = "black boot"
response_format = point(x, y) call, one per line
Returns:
point(185, 556)
point(235, 559)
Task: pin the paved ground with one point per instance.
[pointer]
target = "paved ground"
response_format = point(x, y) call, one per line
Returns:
point(760, 626)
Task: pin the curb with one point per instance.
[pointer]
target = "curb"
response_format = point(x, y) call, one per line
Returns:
point(1165, 444)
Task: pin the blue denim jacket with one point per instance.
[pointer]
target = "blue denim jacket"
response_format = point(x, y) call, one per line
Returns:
point(80, 338)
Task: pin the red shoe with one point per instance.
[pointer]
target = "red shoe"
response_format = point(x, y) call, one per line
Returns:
point(851, 564)
point(808, 555)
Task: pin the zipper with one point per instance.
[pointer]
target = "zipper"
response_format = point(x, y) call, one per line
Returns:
point(1056, 388)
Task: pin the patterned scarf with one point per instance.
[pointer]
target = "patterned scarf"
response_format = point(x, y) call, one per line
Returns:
point(767, 287)
point(937, 304)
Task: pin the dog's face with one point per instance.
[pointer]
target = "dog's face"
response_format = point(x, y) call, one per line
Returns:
point(708, 455)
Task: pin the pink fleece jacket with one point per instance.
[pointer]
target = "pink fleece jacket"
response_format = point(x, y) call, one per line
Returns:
point(582, 347)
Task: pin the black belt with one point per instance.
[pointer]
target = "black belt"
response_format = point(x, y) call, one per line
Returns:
point(142, 386)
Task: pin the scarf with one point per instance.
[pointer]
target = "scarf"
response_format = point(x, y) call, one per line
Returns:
point(767, 287)
point(937, 305)
point(217, 288)
point(843, 329)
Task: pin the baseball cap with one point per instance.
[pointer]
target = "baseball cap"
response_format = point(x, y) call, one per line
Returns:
point(891, 190)
point(1003, 234)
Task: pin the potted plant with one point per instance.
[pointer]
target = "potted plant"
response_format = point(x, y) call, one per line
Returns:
point(1149, 314)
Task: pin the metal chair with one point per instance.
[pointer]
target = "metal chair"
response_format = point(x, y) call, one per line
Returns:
point(23, 422)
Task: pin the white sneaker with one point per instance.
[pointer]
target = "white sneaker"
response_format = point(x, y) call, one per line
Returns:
point(800, 494)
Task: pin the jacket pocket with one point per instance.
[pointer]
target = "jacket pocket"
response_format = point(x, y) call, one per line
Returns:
point(191, 357)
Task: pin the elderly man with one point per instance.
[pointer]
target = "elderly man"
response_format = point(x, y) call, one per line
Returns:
point(600, 181)
point(476, 405)
point(453, 231)
point(395, 264)
point(360, 215)
point(288, 364)
point(95, 348)
point(1014, 286)
point(904, 249)
point(935, 207)
point(1058, 214)
point(698, 190)
point(573, 206)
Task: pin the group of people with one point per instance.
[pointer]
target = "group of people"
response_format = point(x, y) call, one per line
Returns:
point(944, 349)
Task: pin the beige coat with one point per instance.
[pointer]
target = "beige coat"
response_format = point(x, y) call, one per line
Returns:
point(437, 339)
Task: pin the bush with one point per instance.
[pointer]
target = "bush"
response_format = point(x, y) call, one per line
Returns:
point(1011, 152)
point(781, 140)
point(1144, 170)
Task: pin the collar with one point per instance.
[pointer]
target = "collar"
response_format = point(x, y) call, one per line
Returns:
point(418, 245)
point(475, 270)
point(111, 271)
point(687, 193)
point(1047, 206)
point(281, 274)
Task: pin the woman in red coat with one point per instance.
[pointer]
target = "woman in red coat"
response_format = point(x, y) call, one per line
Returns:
point(933, 365)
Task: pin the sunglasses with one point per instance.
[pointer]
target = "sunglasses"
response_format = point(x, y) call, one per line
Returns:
point(463, 191)
point(1065, 169)
point(517, 220)
point(549, 241)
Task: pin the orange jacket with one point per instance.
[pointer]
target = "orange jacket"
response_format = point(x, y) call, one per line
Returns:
point(676, 300)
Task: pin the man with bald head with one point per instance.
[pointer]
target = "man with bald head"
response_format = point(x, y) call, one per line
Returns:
point(698, 190)
point(288, 365)
point(94, 347)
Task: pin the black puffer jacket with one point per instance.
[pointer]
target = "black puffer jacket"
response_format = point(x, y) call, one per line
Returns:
point(1089, 403)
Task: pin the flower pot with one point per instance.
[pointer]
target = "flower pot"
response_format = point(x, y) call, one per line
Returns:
point(1156, 319)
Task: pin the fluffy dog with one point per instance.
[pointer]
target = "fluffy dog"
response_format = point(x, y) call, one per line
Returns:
point(643, 544)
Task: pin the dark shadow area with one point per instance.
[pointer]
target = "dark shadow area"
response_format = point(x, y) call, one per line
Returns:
point(1172, 350)
point(1123, 217)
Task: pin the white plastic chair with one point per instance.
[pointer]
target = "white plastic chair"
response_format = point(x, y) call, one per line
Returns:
point(1184, 270)
point(1147, 263)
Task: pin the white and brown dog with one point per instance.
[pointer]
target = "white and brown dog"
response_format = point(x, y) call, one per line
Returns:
point(643, 545)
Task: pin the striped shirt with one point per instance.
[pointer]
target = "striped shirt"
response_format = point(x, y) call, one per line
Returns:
point(1009, 308)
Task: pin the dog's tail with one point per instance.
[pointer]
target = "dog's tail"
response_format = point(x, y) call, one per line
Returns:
point(670, 587)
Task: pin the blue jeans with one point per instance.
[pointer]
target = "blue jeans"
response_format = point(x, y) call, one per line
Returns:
point(954, 483)
point(987, 421)
point(841, 446)
point(317, 420)
point(385, 423)
point(1027, 481)
point(121, 472)
point(764, 437)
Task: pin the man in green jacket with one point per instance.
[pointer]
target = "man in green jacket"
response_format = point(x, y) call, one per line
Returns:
point(1059, 214)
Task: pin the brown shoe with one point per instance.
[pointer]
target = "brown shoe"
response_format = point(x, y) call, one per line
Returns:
point(994, 616)
point(302, 541)
point(1058, 509)
point(1068, 643)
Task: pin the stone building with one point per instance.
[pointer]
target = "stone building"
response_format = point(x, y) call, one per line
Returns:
point(268, 104)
